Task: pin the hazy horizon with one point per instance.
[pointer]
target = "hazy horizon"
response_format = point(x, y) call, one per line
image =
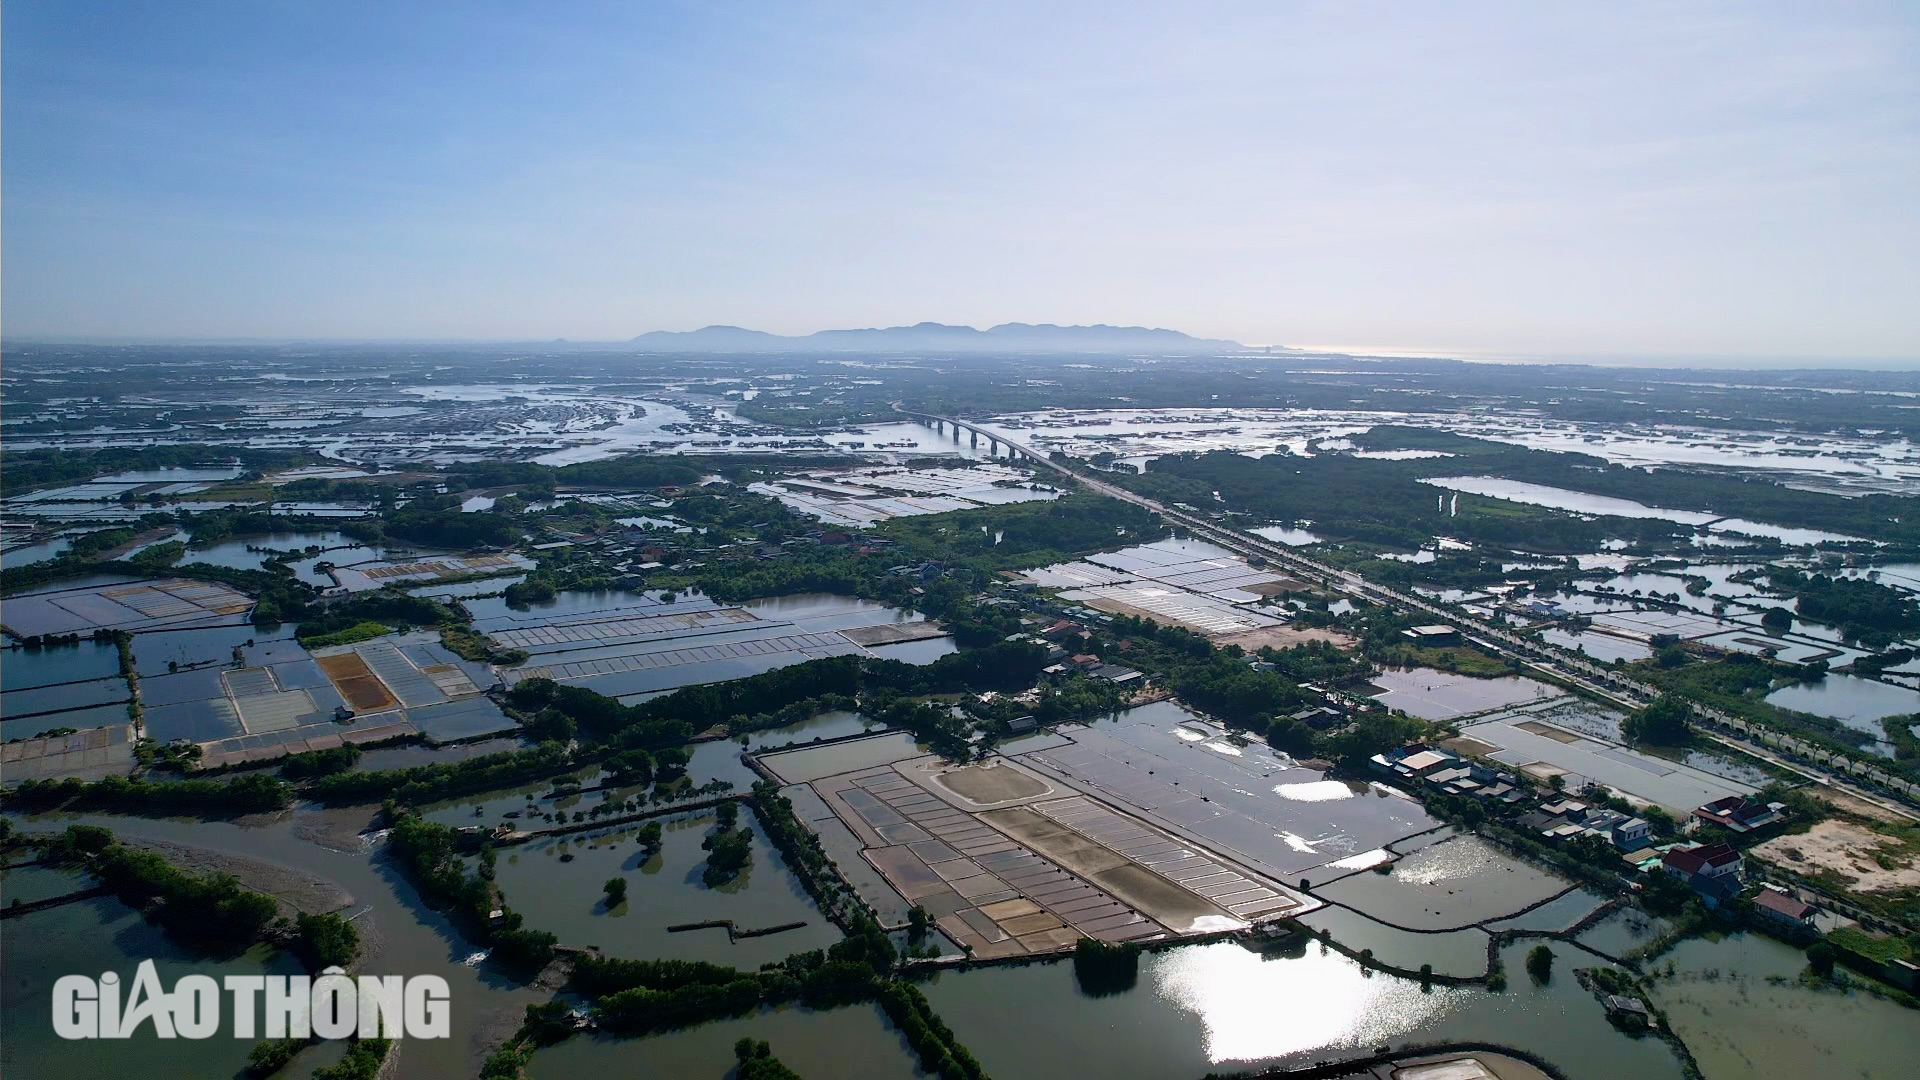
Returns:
point(1713, 185)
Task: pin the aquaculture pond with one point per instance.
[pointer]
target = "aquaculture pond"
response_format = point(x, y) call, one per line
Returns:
point(557, 883)
point(210, 646)
point(87, 659)
point(1218, 1008)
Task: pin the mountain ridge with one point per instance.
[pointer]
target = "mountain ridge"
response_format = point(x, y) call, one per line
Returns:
point(939, 337)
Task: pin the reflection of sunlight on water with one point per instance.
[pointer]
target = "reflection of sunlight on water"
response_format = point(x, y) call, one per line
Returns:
point(1445, 861)
point(1315, 791)
point(1254, 1009)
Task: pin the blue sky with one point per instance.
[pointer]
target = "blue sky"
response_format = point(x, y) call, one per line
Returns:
point(1485, 179)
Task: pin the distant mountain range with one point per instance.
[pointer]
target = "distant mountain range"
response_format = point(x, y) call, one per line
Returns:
point(930, 337)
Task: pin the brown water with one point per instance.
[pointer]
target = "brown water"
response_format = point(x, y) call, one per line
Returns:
point(404, 938)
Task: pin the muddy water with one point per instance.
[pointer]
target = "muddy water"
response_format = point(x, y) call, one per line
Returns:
point(1738, 1005)
point(403, 938)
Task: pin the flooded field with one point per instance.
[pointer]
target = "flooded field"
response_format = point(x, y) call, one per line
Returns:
point(1217, 1008)
point(1624, 931)
point(1859, 703)
point(1185, 583)
point(1273, 814)
point(1604, 647)
point(1738, 1005)
point(21, 668)
point(1580, 743)
point(1456, 883)
point(1460, 953)
point(862, 497)
point(1554, 915)
point(1442, 695)
point(857, 1040)
point(556, 883)
point(1851, 465)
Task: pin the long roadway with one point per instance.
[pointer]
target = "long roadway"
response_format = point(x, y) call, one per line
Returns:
point(1562, 664)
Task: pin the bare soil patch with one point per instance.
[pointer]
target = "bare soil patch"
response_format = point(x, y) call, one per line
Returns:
point(1285, 637)
point(1847, 851)
point(1548, 731)
point(992, 784)
point(893, 633)
point(1470, 747)
point(356, 682)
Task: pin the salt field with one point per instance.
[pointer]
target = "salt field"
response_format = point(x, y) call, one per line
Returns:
point(638, 644)
point(1010, 860)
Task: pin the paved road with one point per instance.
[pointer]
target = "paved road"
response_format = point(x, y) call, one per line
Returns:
point(1891, 793)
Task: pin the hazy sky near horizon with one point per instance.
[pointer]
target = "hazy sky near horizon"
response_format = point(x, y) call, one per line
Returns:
point(1478, 178)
